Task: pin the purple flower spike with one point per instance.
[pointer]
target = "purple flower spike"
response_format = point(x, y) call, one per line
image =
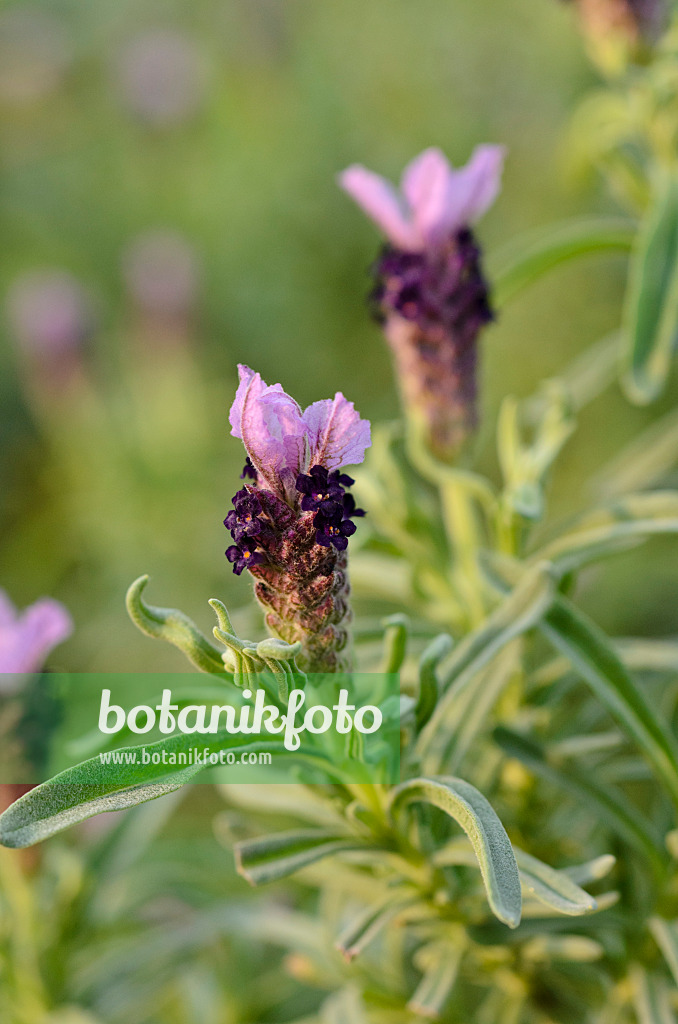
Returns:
point(291, 521)
point(282, 441)
point(430, 293)
point(436, 198)
point(27, 638)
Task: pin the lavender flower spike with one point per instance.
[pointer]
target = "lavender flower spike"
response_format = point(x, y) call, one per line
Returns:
point(27, 638)
point(430, 292)
point(291, 520)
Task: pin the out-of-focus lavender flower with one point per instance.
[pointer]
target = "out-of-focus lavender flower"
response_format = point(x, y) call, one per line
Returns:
point(292, 519)
point(51, 315)
point(27, 638)
point(35, 51)
point(626, 25)
point(161, 77)
point(161, 272)
point(430, 291)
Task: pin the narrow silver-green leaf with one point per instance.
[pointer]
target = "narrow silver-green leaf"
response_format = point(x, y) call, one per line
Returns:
point(93, 787)
point(269, 858)
point(650, 319)
point(491, 845)
point(396, 628)
point(552, 887)
point(628, 521)
point(359, 932)
point(651, 998)
point(530, 258)
point(427, 697)
point(607, 803)
point(666, 936)
point(592, 870)
point(176, 628)
point(594, 658)
point(520, 611)
point(439, 963)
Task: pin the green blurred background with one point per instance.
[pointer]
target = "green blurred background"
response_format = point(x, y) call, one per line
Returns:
point(168, 208)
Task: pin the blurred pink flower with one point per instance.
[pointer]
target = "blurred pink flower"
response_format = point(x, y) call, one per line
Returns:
point(435, 199)
point(282, 441)
point(161, 76)
point(161, 272)
point(26, 638)
point(50, 312)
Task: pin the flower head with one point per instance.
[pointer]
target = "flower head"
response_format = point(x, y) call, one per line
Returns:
point(26, 638)
point(430, 293)
point(283, 441)
point(292, 518)
point(435, 199)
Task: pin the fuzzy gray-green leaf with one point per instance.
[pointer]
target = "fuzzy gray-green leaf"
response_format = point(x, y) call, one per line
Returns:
point(269, 858)
point(491, 845)
point(650, 319)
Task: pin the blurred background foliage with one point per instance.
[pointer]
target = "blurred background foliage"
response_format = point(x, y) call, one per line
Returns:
point(168, 208)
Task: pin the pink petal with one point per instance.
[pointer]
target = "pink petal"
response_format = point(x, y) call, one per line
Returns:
point(8, 613)
point(247, 377)
point(381, 202)
point(472, 189)
point(25, 644)
point(337, 435)
point(271, 427)
point(425, 184)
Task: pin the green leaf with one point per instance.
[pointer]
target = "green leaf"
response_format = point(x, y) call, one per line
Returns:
point(666, 936)
point(554, 888)
point(269, 858)
point(651, 998)
point(520, 611)
point(91, 788)
point(590, 653)
point(611, 528)
point(531, 257)
point(427, 698)
point(471, 711)
point(592, 870)
point(366, 926)
point(343, 1007)
point(439, 963)
point(176, 628)
point(491, 845)
point(650, 318)
point(609, 805)
point(396, 628)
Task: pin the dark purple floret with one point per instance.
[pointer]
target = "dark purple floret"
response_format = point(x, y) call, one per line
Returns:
point(245, 520)
point(324, 493)
point(433, 304)
point(350, 509)
point(244, 555)
point(334, 533)
point(441, 290)
point(249, 472)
